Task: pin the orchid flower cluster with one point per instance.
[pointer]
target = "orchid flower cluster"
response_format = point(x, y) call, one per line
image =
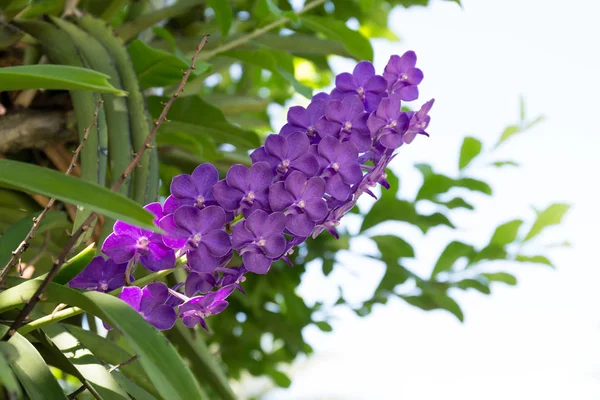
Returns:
point(301, 182)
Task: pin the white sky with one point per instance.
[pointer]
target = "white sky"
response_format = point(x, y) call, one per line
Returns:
point(541, 339)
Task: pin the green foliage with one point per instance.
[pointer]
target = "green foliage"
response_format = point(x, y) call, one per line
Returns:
point(260, 53)
point(32, 178)
point(61, 77)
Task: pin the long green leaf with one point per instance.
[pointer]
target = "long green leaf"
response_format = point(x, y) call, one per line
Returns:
point(167, 370)
point(8, 381)
point(552, 215)
point(201, 361)
point(134, 390)
point(157, 68)
point(59, 77)
point(32, 371)
point(113, 354)
point(223, 15)
point(32, 178)
point(90, 369)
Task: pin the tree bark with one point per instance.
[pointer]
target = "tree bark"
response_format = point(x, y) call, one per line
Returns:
point(35, 129)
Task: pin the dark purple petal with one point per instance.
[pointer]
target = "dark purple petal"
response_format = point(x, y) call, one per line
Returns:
point(261, 154)
point(175, 237)
point(408, 93)
point(203, 178)
point(392, 140)
point(275, 223)
point(346, 82)
point(297, 144)
point(257, 223)
point(162, 317)
point(297, 116)
point(328, 128)
point(337, 188)
point(218, 242)
point(352, 106)
point(336, 111)
point(351, 173)
point(120, 248)
point(100, 275)
point(299, 224)
point(275, 245)
point(241, 236)
point(123, 228)
point(199, 282)
point(316, 208)
point(408, 60)
point(261, 174)
point(182, 186)
point(376, 84)
point(153, 295)
point(277, 146)
point(327, 148)
point(315, 110)
point(256, 262)
point(200, 259)
point(315, 187)
point(307, 163)
point(211, 218)
point(158, 257)
point(363, 71)
point(188, 219)
point(279, 197)
point(237, 177)
point(229, 198)
point(294, 183)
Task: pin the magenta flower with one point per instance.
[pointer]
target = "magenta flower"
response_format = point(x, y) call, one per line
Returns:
point(192, 190)
point(402, 76)
point(150, 303)
point(200, 234)
point(197, 309)
point(286, 154)
point(130, 243)
point(100, 275)
point(259, 240)
point(363, 82)
point(301, 199)
point(245, 189)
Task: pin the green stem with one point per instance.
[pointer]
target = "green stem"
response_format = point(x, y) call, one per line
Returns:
point(72, 311)
point(246, 38)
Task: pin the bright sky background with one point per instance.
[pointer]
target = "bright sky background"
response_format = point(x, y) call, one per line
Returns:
point(541, 339)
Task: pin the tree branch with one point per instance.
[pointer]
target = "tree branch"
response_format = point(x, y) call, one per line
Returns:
point(255, 33)
point(85, 226)
point(31, 129)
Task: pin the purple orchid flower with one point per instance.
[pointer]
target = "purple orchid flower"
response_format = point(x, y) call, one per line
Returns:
point(363, 82)
point(301, 199)
point(259, 240)
point(130, 243)
point(193, 190)
point(418, 122)
point(234, 277)
point(245, 189)
point(197, 309)
point(342, 169)
point(402, 76)
point(200, 282)
point(346, 120)
point(389, 123)
point(100, 275)
point(304, 120)
point(150, 303)
point(200, 234)
point(286, 154)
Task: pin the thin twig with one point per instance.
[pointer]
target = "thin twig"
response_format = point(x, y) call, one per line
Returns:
point(16, 255)
point(119, 365)
point(85, 226)
point(76, 393)
point(258, 32)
